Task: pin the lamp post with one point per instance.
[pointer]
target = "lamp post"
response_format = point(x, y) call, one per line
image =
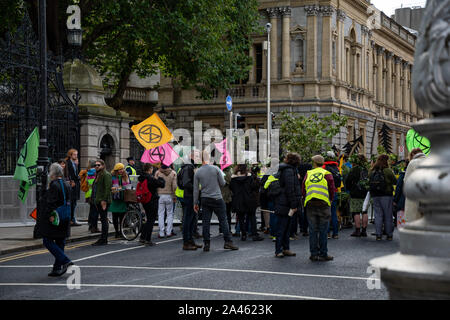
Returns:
point(269, 117)
point(74, 31)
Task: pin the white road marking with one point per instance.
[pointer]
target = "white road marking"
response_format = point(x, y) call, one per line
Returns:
point(168, 287)
point(121, 250)
point(208, 269)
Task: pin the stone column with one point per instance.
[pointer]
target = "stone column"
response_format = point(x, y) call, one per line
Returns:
point(389, 78)
point(405, 94)
point(327, 54)
point(311, 89)
point(421, 270)
point(398, 90)
point(340, 58)
point(286, 43)
point(273, 14)
point(252, 73)
point(380, 51)
point(363, 72)
point(371, 71)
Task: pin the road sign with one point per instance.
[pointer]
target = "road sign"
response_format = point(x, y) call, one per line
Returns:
point(229, 103)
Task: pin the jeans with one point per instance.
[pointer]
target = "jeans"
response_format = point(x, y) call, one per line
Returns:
point(303, 220)
point(151, 210)
point(73, 205)
point(293, 225)
point(189, 217)
point(383, 214)
point(217, 206)
point(319, 220)
point(105, 223)
point(228, 206)
point(93, 217)
point(165, 205)
point(273, 224)
point(247, 219)
point(56, 248)
point(334, 219)
point(283, 226)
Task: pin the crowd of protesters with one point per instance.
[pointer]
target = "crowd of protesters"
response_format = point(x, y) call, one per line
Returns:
point(304, 198)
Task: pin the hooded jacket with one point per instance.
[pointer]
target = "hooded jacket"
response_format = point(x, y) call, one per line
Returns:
point(153, 184)
point(170, 181)
point(291, 195)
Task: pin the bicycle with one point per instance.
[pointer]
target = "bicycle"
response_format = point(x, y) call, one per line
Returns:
point(133, 220)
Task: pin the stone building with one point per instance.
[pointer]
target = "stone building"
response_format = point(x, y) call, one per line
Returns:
point(335, 56)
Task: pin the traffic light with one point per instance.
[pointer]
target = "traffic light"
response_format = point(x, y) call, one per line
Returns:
point(240, 122)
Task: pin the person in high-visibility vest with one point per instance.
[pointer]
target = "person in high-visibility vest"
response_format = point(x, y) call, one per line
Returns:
point(131, 171)
point(318, 191)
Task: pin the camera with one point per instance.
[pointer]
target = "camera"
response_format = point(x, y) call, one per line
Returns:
point(268, 27)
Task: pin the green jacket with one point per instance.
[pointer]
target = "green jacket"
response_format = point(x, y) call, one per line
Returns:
point(103, 185)
point(226, 192)
point(390, 179)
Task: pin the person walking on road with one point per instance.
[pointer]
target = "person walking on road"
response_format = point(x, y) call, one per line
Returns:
point(185, 182)
point(381, 182)
point(54, 236)
point(211, 178)
point(243, 186)
point(333, 167)
point(101, 195)
point(120, 182)
point(166, 200)
point(318, 191)
point(151, 207)
point(287, 203)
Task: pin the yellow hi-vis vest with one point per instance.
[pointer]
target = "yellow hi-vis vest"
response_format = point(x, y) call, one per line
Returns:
point(270, 179)
point(317, 186)
point(133, 170)
point(179, 192)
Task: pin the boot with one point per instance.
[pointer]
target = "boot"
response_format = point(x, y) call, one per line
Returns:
point(257, 237)
point(230, 245)
point(189, 246)
point(206, 247)
point(364, 232)
point(244, 236)
point(357, 233)
point(198, 246)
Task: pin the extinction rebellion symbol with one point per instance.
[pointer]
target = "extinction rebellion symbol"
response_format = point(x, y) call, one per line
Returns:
point(150, 134)
point(317, 177)
point(158, 154)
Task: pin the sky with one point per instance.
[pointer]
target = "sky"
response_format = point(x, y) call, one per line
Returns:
point(389, 6)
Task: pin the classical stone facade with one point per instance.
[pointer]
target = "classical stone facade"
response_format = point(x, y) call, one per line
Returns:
point(332, 56)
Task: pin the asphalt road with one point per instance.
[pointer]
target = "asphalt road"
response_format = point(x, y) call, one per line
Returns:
point(127, 270)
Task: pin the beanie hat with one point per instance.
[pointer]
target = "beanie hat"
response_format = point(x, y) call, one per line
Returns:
point(118, 166)
point(318, 159)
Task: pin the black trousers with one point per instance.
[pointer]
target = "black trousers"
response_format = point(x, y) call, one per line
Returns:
point(151, 211)
point(117, 220)
point(246, 218)
point(104, 219)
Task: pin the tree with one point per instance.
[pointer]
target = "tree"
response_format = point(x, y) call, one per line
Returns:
point(308, 135)
point(202, 44)
point(385, 134)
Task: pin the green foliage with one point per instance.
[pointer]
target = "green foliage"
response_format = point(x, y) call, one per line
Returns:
point(11, 14)
point(308, 135)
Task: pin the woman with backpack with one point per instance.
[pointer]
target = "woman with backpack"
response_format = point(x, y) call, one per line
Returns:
point(243, 186)
point(120, 182)
point(151, 207)
point(381, 183)
point(357, 183)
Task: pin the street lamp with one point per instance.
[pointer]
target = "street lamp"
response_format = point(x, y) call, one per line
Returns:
point(74, 31)
point(269, 117)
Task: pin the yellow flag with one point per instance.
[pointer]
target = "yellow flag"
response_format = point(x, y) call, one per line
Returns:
point(152, 132)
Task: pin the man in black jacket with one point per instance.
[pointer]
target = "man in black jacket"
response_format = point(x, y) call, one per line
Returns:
point(186, 183)
point(74, 179)
point(287, 203)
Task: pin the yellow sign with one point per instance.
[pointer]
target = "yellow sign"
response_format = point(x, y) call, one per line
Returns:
point(152, 132)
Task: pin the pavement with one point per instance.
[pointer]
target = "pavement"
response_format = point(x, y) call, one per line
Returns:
point(126, 270)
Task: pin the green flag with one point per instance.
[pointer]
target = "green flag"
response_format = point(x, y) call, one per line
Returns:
point(414, 140)
point(26, 167)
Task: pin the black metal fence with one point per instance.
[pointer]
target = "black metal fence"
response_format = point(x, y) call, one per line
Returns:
point(19, 99)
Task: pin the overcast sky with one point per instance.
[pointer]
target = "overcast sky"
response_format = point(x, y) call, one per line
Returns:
point(389, 6)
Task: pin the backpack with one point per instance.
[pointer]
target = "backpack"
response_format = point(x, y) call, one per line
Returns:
point(143, 194)
point(377, 183)
point(180, 178)
point(84, 184)
point(360, 188)
point(336, 175)
point(274, 189)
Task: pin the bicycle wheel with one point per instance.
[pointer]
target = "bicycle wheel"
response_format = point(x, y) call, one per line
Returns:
point(132, 223)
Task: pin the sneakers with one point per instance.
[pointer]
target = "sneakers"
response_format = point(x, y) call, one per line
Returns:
point(230, 245)
point(335, 236)
point(314, 258)
point(100, 242)
point(206, 247)
point(329, 235)
point(325, 258)
point(149, 243)
point(379, 238)
point(274, 239)
point(289, 253)
point(389, 238)
point(171, 235)
point(279, 255)
point(161, 237)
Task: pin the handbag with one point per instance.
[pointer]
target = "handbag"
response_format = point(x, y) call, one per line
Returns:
point(130, 195)
point(64, 211)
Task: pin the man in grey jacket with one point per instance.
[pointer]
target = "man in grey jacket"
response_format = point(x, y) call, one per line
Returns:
point(211, 178)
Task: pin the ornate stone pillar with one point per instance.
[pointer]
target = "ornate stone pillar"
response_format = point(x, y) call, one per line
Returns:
point(380, 52)
point(371, 68)
point(311, 89)
point(286, 43)
point(252, 73)
point(405, 96)
point(421, 270)
point(327, 54)
point(273, 14)
point(398, 90)
point(389, 78)
point(340, 59)
point(410, 101)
